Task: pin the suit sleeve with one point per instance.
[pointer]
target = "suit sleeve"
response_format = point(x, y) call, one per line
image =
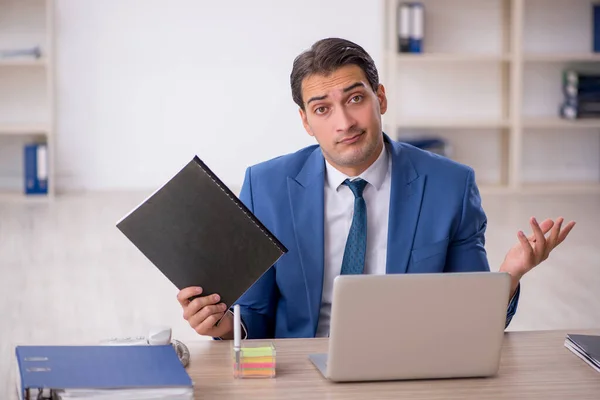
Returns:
point(257, 305)
point(466, 252)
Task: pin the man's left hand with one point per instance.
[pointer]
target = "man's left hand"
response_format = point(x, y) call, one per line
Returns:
point(530, 251)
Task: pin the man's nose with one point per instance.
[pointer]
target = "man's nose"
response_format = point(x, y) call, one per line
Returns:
point(343, 120)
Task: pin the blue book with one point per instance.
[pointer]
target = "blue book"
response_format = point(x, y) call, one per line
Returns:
point(580, 79)
point(583, 98)
point(596, 27)
point(576, 110)
point(582, 91)
point(66, 370)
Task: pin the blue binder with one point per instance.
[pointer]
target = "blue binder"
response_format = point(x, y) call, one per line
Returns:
point(36, 169)
point(417, 29)
point(50, 368)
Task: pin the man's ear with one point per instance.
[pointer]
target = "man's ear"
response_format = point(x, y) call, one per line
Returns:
point(305, 122)
point(382, 99)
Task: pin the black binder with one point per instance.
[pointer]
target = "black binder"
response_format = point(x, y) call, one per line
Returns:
point(198, 233)
point(586, 347)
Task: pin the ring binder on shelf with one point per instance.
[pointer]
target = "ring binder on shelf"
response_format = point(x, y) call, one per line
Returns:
point(403, 26)
point(417, 27)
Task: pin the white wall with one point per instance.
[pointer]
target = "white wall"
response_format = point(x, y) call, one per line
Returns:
point(144, 85)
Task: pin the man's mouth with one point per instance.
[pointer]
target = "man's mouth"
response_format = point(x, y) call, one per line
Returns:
point(352, 139)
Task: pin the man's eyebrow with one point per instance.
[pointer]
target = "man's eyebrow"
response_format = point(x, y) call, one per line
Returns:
point(347, 89)
point(316, 98)
point(353, 86)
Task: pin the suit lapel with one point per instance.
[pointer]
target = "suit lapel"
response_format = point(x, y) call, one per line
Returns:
point(307, 205)
point(405, 206)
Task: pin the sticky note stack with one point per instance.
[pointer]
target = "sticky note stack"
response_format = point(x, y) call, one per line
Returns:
point(257, 361)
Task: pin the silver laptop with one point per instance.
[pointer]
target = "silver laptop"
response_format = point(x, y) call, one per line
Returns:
point(415, 326)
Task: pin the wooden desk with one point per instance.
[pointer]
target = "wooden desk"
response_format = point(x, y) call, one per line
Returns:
point(533, 365)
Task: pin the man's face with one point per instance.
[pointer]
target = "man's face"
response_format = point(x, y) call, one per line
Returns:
point(344, 115)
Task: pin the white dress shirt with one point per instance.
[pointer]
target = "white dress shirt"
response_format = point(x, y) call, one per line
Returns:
point(339, 209)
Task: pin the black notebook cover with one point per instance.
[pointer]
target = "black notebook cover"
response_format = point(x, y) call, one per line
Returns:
point(198, 233)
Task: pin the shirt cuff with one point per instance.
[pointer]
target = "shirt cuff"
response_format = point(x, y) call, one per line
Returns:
point(512, 305)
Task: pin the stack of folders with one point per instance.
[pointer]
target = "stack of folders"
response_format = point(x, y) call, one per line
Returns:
point(581, 95)
point(410, 25)
point(101, 373)
point(586, 347)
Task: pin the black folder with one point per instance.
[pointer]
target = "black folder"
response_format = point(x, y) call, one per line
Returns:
point(198, 233)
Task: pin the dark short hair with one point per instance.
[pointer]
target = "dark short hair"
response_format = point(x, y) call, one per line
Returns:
point(326, 56)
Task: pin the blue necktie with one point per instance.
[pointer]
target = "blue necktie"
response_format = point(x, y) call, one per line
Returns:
point(356, 245)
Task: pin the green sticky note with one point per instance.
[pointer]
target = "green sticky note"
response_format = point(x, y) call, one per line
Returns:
point(257, 351)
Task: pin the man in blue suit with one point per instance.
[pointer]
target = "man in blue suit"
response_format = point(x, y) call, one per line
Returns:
point(358, 202)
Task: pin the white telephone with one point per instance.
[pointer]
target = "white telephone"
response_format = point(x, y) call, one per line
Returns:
point(160, 335)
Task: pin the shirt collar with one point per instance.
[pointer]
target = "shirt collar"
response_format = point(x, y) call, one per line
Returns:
point(374, 175)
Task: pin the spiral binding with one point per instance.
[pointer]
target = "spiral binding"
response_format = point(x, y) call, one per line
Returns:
point(240, 205)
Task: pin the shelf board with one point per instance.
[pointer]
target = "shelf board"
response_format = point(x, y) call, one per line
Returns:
point(560, 188)
point(483, 58)
point(561, 57)
point(13, 196)
point(452, 123)
point(553, 188)
point(449, 57)
point(23, 129)
point(559, 123)
point(23, 62)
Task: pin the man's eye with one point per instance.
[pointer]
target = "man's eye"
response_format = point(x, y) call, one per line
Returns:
point(356, 98)
point(320, 110)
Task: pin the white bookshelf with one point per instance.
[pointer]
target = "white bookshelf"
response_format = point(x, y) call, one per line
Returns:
point(27, 105)
point(489, 82)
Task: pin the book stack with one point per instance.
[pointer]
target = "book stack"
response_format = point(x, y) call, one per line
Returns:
point(581, 95)
point(411, 21)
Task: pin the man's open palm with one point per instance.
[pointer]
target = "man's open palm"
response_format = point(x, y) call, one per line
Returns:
point(530, 251)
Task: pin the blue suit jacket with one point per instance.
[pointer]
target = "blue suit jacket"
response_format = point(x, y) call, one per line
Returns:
point(436, 224)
